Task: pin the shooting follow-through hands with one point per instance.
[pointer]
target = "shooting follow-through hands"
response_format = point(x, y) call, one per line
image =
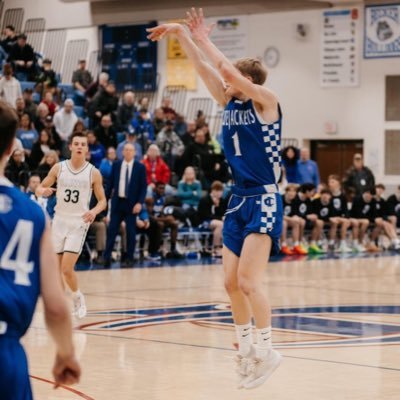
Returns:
point(197, 26)
point(160, 31)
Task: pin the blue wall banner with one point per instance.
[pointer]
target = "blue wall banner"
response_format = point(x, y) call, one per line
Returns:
point(382, 31)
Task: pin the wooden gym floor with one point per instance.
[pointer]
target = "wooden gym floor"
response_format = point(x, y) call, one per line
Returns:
point(166, 333)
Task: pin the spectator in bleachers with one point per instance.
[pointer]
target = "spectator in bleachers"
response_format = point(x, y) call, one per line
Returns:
point(46, 79)
point(144, 129)
point(65, 119)
point(33, 183)
point(189, 189)
point(17, 170)
point(211, 140)
point(130, 137)
point(290, 157)
point(105, 132)
point(155, 206)
point(96, 149)
point(81, 79)
point(42, 112)
point(382, 221)
point(364, 210)
point(156, 168)
point(293, 221)
point(30, 105)
point(148, 225)
point(180, 125)
point(79, 126)
point(393, 202)
point(158, 120)
point(358, 177)
point(22, 57)
point(42, 145)
point(126, 111)
point(211, 212)
point(10, 88)
point(62, 147)
point(20, 108)
point(144, 102)
point(170, 145)
point(169, 111)
point(10, 38)
point(106, 164)
point(188, 137)
point(48, 99)
point(49, 160)
point(105, 102)
point(97, 86)
point(26, 133)
point(307, 169)
point(303, 208)
point(127, 190)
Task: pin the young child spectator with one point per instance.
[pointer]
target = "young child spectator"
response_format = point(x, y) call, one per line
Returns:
point(303, 208)
point(211, 212)
point(293, 221)
point(189, 189)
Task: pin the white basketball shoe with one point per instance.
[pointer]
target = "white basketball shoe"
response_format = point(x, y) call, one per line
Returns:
point(80, 310)
point(260, 369)
point(242, 366)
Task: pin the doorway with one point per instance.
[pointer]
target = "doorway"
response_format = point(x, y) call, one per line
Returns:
point(334, 156)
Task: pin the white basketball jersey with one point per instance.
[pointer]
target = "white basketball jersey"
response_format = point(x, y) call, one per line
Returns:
point(74, 190)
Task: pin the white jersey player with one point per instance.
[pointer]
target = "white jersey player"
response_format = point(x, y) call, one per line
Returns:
point(76, 178)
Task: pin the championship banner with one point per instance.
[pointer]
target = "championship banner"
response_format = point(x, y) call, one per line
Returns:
point(382, 31)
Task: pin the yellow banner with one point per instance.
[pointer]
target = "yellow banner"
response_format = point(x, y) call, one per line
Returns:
point(181, 72)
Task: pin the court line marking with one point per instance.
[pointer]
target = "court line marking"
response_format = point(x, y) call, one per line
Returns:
point(72, 390)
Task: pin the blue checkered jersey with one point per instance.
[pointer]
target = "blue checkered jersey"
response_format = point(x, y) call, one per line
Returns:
point(252, 147)
point(22, 223)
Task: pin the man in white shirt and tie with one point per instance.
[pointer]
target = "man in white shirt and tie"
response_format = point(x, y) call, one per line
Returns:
point(127, 189)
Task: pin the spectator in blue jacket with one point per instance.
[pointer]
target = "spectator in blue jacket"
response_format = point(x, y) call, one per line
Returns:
point(106, 164)
point(97, 150)
point(144, 128)
point(189, 189)
point(308, 169)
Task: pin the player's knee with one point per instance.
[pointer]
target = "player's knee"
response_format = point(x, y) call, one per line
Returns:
point(231, 284)
point(246, 285)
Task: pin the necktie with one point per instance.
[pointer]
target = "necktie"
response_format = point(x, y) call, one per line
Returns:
point(127, 181)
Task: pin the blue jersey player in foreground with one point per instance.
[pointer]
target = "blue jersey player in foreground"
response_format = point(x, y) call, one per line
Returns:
point(253, 221)
point(28, 268)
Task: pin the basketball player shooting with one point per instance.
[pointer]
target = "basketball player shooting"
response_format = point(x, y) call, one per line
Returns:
point(253, 222)
point(76, 178)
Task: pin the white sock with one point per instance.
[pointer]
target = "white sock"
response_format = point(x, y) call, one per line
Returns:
point(264, 342)
point(76, 294)
point(244, 336)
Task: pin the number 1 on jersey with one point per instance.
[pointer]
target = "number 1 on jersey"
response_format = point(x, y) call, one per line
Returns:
point(235, 138)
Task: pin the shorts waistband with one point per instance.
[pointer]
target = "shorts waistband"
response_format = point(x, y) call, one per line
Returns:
point(255, 191)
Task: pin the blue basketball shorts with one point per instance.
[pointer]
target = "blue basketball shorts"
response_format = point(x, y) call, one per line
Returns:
point(253, 214)
point(14, 378)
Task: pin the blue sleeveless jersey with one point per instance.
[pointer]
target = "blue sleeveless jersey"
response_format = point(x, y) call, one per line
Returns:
point(252, 148)
point(22, 223)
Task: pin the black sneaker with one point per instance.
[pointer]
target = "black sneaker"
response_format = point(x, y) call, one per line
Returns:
point(175, 255)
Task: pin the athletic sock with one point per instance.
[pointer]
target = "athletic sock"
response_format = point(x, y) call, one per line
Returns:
point(244, 336)
point(76, 294)
point(264, 342)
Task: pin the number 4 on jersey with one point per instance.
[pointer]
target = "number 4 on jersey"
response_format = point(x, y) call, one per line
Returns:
point(20, 244)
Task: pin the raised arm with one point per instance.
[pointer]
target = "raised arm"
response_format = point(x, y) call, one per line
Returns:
point(230, 74)
point(45, 189)
point(207, 73)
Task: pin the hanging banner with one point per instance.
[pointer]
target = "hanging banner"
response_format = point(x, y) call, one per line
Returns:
point(382, 31)
point(340, 48)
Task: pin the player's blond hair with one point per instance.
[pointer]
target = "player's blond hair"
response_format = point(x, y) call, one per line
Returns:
point(254, 68)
